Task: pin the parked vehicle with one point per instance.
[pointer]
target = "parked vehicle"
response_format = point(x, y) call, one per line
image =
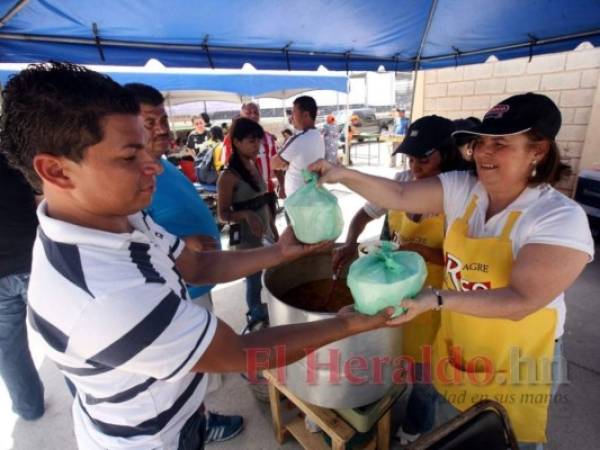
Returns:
point(364, 121)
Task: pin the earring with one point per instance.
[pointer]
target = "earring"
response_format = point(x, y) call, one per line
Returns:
point(534, 171)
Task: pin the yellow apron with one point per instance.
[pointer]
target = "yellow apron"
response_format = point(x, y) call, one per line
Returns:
point(498, 359)
point(420, 331)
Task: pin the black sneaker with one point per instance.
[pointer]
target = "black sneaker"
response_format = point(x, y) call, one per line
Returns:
point(221, 428)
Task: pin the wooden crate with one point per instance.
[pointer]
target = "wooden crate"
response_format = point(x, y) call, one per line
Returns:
point(330, 423)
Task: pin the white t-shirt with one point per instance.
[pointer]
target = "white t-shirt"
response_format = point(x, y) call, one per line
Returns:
point(117, 320)
point(374, 211)
point(548, 217)
point(299, 151)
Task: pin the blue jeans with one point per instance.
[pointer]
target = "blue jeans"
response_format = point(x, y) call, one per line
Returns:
point(421, 417)
point(434, 404)
point(16, 366)
point(253, 290)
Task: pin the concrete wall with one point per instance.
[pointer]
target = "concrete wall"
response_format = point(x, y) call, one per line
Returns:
point(570, 79)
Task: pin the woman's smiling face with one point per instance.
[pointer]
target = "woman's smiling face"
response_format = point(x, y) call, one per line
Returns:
point(503, 161)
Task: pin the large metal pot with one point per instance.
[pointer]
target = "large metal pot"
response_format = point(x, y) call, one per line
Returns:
point(380, 343)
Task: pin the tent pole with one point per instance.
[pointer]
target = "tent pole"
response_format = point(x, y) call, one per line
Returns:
point(412, 94)
point(346, 159)
point(11, 13)
point(418, 58)
point(366, 90)
point(169, 118)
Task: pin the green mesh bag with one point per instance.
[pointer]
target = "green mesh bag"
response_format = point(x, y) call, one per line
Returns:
point(384, 277)
point(314, 212)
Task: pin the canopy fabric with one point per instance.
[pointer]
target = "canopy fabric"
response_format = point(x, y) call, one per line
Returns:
point(274, 34)
point(219, 85)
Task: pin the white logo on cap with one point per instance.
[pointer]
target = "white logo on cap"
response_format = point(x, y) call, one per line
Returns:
point(414, 133)
point(497, 111)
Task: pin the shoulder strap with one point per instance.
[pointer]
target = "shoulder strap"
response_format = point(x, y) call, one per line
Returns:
point(510, 223)
point(470, 208)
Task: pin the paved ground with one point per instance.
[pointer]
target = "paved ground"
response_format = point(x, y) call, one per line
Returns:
point(574, 423)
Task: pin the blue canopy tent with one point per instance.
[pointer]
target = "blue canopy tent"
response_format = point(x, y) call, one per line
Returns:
point(271, 34)
point(400, 35)
point(224, 85)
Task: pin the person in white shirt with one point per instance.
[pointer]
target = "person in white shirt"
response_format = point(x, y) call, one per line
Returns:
point(513, 245)
point(303, 148)
point(198, 135)
point(107, 290)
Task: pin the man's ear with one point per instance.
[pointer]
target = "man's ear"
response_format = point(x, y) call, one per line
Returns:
point(53, 170)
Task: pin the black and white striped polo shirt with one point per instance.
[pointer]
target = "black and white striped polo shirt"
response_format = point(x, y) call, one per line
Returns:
point(116, 318)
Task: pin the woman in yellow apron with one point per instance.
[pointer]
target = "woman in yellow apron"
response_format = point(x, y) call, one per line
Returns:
point(513, 245)
point(431, 151)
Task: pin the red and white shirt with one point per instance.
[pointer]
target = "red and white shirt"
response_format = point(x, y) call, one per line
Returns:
point(268, 149)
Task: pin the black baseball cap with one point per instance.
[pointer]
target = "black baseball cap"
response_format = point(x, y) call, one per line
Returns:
point(466, 124)
point(426, 135)
point(519, 114)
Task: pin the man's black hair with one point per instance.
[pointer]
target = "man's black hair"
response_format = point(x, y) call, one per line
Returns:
point(57, 108)
point(308, 104)
point(145, 94)
point(216, 133)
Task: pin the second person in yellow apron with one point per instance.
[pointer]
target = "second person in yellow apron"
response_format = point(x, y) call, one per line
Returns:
point(431, 151)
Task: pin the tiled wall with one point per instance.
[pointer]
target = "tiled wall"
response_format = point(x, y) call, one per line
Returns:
point(570, 79)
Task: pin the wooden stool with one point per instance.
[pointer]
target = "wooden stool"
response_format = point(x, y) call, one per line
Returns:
point(331, 423)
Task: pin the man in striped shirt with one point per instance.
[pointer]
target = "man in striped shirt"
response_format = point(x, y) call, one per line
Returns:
point(107, 292)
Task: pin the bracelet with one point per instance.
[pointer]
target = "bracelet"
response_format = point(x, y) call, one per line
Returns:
point(440, 300)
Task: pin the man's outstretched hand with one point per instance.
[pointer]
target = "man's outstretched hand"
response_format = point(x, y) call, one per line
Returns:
point(292, 248)
point(358, 323)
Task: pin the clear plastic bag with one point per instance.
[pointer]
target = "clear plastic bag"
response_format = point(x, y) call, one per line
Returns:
point(384, 277)
point(314, 212)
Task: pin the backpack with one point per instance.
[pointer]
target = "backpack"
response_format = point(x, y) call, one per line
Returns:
point(205, 169)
